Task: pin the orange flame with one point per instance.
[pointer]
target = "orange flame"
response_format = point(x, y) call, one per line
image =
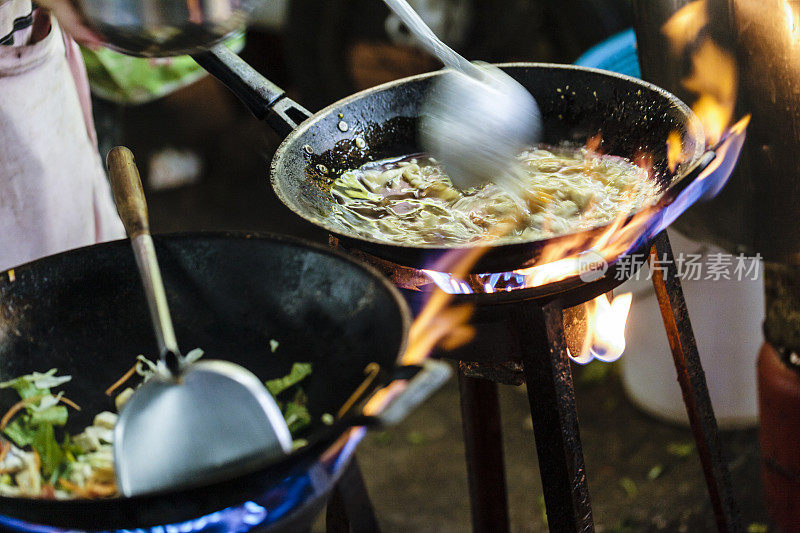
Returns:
point(792, 21)
point(675, 155)
point(714, 75)
point(685, 25)
point(577, 254)
point(740, 126)
point(605, 331)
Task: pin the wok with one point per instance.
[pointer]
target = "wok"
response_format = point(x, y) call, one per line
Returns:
point(84, 313)
point(158, 28)
point(633, 117)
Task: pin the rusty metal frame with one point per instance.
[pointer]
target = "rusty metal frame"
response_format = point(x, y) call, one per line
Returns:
point(483, 442)
point(350, 508)
point(552, 398)
point(551, 394)
point(692, 380)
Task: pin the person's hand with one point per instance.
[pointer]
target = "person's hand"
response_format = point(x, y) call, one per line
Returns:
point(71, 21)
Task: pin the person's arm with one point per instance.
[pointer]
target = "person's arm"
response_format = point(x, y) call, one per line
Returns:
point(71, 21)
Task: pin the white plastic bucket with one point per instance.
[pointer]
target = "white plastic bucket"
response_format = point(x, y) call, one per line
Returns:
point(726, 317)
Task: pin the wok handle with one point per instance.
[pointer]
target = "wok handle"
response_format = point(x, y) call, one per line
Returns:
point(426, 379)
point(126, 185)
point(263, 98)
point(422, 381)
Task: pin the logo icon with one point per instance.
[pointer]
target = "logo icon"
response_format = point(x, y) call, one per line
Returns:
point(591, 266)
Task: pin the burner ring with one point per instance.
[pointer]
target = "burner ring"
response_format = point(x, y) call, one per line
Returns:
point(418, 286)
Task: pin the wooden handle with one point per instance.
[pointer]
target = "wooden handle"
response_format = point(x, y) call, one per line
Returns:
point(128, 193)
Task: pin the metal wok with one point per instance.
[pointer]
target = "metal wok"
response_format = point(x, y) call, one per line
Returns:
point(634, 119)
point(150, 28)
point(84, 313)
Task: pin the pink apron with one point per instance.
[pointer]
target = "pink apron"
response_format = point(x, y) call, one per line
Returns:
point(54, 194)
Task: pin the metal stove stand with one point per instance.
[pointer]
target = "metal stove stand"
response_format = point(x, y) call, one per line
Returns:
point(350, 508)
point(546, 371)
point(537, 356)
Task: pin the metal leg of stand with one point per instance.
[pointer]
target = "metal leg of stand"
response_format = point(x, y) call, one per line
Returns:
point(483, 440)
point(336, 520)
point(555, 420)
point(350, 508)
point(693, 384)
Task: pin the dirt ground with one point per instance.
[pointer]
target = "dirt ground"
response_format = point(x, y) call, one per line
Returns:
point(644, 475)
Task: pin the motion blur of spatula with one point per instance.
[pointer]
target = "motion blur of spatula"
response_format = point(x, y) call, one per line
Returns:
point(189, 424)
point(476, 118)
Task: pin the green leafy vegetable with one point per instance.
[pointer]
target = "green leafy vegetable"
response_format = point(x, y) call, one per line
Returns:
point(296, 413)
point(299, 372)
point(35, 426)
point(82, 465)
point(21, 434)
point(56, 416)
point(35, 384)
point(49, 450)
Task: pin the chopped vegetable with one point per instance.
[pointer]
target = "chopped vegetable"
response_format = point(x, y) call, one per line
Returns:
point(38, 414)
point(39, 459)
point(22, 436)
point(299, 372)
point(294, 411)
point(50, 452)
point(35, 384)
point(122, 398)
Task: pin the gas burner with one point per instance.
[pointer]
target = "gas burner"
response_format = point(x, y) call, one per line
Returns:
point(504, 287)
point(524, 333)
point(592, 320)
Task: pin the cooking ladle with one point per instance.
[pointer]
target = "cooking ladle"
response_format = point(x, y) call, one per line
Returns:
point(191, 423)
point(476, 119)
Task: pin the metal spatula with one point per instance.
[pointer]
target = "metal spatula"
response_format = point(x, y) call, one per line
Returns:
point(191, 423)
point(477, 118)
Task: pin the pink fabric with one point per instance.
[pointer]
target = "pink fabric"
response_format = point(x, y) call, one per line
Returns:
point(78, 69)
point(54, 194)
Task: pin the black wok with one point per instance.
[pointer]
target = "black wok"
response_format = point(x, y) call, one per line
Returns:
point(633, 117)
point(84, 313)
